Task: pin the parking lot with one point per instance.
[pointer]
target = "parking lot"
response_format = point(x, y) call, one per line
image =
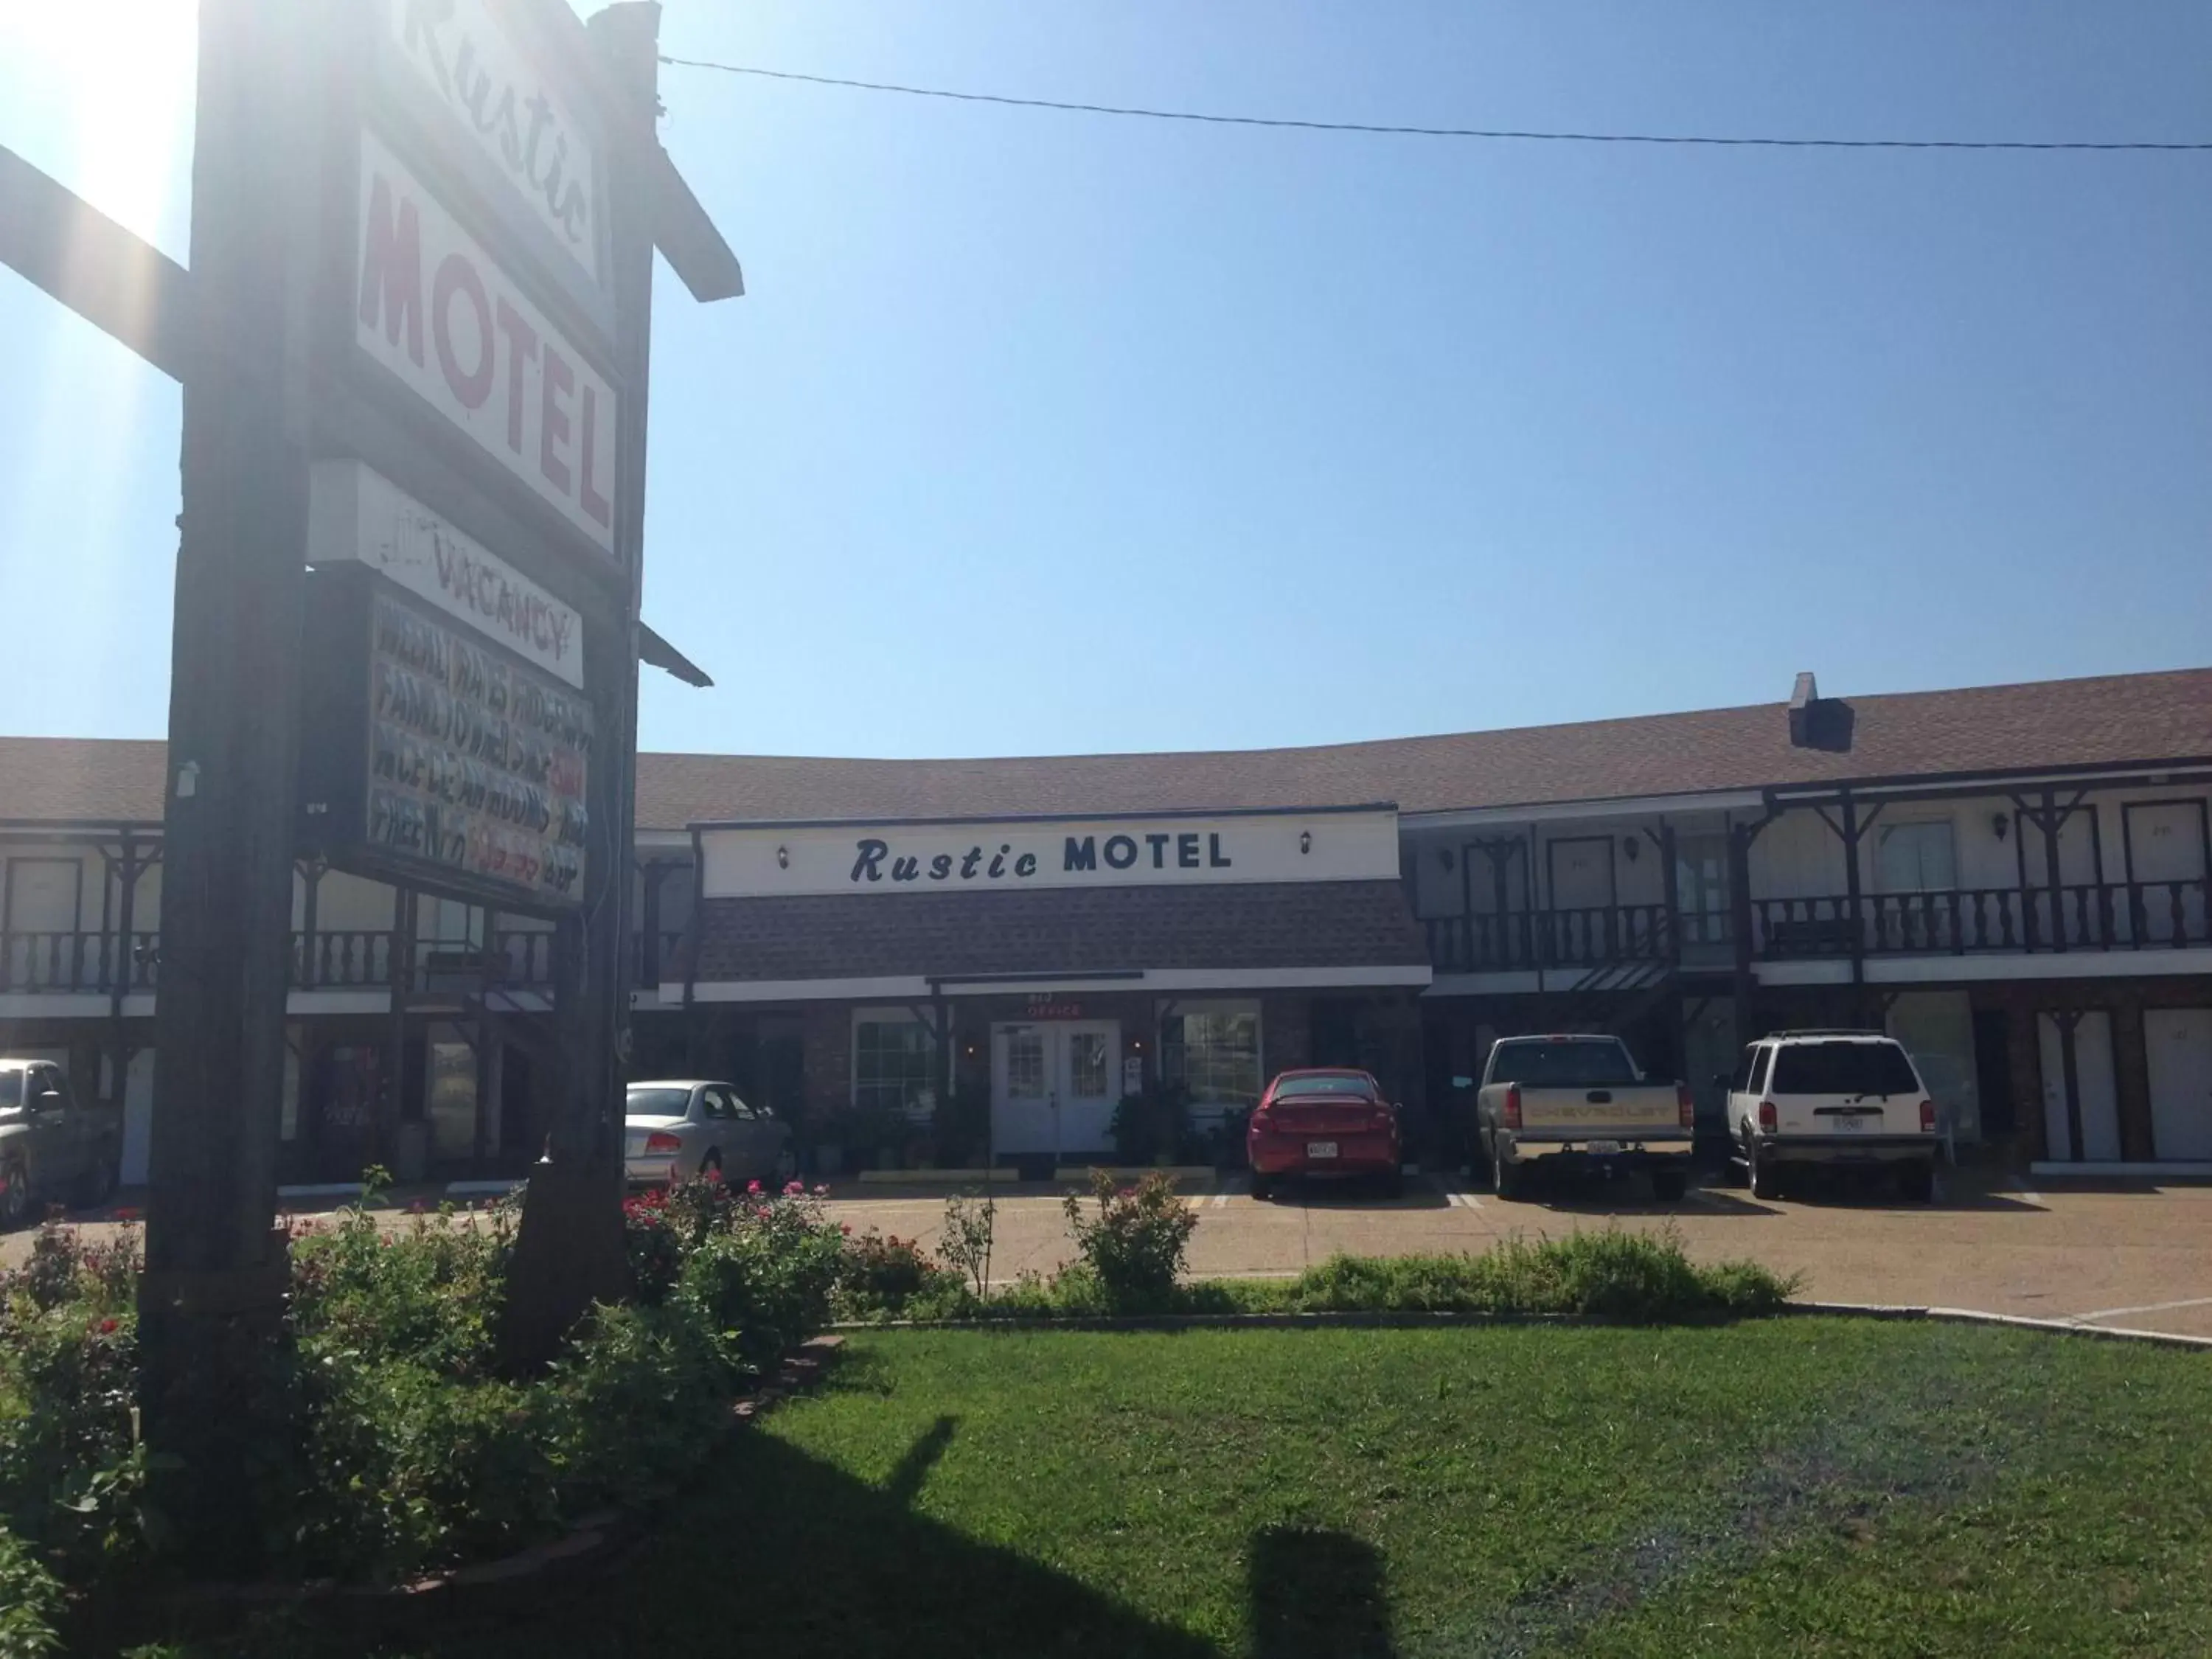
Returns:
point(2135, 1256)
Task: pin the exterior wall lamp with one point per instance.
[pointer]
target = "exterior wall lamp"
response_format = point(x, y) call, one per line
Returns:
point(783, 858)
point(1305, 840)
point(1998, 825)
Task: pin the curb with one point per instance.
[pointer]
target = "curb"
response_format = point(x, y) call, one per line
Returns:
point(1976, 1317)
point(1415, 1319)
point(934, 1178)
point(1133, 1172)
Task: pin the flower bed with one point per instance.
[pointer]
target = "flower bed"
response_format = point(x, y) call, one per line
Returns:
point(395, 1446)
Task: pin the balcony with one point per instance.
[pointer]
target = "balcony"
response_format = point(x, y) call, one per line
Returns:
point(2162, 915)
point(1523, 940)
point(96, 963)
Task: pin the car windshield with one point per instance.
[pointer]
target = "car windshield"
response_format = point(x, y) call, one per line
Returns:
point(1574, 1064)
point(1326, 1083)
point(1842, 1068)
point(656, 1103)
point(11, 1091)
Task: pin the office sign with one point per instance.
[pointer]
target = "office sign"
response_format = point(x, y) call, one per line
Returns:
point(754, 859)
point(438, 312)
point(431, 756)
point(355, 512)
point(500, 105)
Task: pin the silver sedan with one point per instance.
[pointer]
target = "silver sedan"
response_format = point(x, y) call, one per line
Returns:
point(675, 1130)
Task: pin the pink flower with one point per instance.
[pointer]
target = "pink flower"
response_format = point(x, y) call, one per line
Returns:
point(714, 1175)
point(107, 1327)
point(126, 1215)
point(795, 1189)
point(752, 1186)
point(846, 1228)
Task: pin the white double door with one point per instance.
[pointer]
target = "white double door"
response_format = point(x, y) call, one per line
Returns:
point(1054, 1085)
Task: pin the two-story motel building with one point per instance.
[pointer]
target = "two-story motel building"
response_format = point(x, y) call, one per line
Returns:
point(2012, 879)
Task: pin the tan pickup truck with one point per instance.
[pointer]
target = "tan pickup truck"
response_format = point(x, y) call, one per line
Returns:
point(1556, 1103)
point(53, 1147)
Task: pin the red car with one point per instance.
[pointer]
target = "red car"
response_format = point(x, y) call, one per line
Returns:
point(1322, 1122)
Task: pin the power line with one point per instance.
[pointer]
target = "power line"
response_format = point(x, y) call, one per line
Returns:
point(1497, 133)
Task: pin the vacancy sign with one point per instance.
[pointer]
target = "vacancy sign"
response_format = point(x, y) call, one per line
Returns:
point(434, 309)
point(355, 514)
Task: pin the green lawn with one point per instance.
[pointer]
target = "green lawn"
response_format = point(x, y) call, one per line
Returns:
point(1784, 1487)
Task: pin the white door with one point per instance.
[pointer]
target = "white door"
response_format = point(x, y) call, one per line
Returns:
point(2100, 1098)
point(2165, 862)
point(1054, 1086)
point(2177, 1042)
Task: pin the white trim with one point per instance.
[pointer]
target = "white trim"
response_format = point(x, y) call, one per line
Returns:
point(52, 1004)
point(339, 1002)
point(2056, 964)
point(2045, 1168)
point(911, 987)
point(664, 840)
point(1627, 806)
point(1820, 971)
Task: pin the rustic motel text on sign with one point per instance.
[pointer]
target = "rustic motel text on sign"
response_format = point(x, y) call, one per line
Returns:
point(437, 311)
point(746, 861)
point(472, 67)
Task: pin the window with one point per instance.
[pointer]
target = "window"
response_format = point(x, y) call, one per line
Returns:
point(1086, 1065)
point(656, 1102)
point(1327, 1082)
point(1569, 1065)
point(1025, 1064)
point(1844, 1067)
point(1916, 857)
point(1765, 1058)
point(1213, 1051)
point(1701, 889)
point(894, 1064)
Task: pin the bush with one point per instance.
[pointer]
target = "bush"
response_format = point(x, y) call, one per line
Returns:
point(628, 1407)
point(68, 1369)
point(880, 1274)
point(30, 1603)
point(430, 1294)
point(1135, 1245)
point(763, 1285)
point(1611, 1274)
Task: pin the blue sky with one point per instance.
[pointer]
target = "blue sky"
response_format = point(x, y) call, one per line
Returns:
point(1050, 433)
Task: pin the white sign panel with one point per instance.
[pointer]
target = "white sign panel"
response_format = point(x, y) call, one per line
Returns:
point(355, 514)
point(758, 859)
point(505, 108)
point(434, 309)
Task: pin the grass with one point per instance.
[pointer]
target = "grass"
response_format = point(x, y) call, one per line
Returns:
point(1802, 1487)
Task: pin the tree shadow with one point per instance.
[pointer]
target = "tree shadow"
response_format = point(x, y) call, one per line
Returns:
point(1317, 1594)
point(905, 1484)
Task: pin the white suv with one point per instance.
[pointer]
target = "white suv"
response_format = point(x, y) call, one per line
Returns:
point(1837, 1097)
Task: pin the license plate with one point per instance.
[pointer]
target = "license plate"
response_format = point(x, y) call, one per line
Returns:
point(1321, 1149)
point(1851, 1126)
point(1603, 1148)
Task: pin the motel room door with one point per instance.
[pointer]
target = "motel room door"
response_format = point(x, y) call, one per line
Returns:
point(1053, 1085)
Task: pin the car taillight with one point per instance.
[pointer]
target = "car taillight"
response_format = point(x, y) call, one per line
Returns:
point(1926, 1117)
point(658, 1141)
point(1766, 1119)
point(1512, 1107)
point(1262, 1121)
point(1383, 1118)
point(1686, 1106)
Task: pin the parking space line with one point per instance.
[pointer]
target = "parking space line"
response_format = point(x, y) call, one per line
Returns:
point(1221, 1200)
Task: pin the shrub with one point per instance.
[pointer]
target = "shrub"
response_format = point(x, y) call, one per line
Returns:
point(1135, 1245)
point(30, 1603)
point(430, 1294)
point(1611, 1274)
point(630, 1405)
point(764, 1285)
point(971, 1228)
point(882, 1274)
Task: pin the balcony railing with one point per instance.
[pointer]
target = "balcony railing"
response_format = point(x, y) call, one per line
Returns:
point(340, 959)
point(1963, 922)
point(1524, 940)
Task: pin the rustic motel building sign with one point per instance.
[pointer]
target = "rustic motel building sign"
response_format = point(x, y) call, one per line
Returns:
point(1038, 970)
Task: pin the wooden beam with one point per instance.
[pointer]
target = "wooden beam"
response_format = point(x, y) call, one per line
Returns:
point(120, 283)
point(687, 238)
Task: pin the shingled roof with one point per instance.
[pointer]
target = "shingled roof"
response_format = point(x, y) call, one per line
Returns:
point(2116, 719)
